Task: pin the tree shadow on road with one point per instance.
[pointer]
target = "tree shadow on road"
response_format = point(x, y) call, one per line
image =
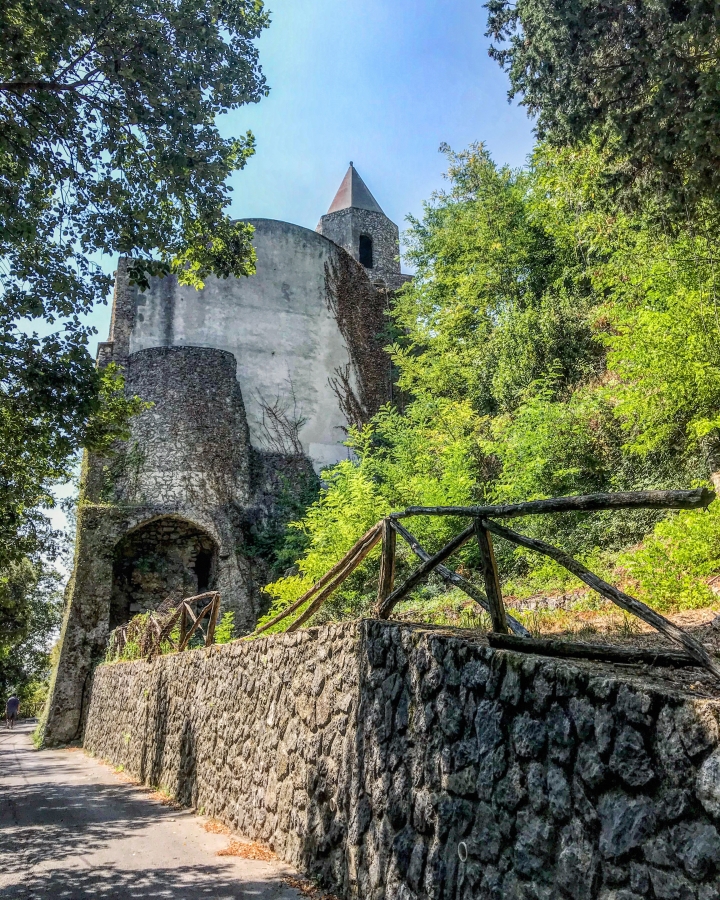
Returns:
point(71, 818)
point(52, 825)
point(182, 883)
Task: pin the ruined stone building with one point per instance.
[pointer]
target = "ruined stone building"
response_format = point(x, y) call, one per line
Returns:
point(253, 382)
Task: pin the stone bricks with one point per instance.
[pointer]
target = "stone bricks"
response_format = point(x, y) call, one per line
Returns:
point(398, 764)
point(708, 784)
point(627, 822)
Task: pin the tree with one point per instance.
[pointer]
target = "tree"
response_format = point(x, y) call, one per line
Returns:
point(46, 412)
point(498, 300)
point(552, 343)
point(30, 614)
point(643, 76)
point(108, 145)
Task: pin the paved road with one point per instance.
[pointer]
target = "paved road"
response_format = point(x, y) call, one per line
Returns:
point(70, 829)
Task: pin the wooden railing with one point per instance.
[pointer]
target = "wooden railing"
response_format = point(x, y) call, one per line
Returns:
point(186, 616)
point(482, 527)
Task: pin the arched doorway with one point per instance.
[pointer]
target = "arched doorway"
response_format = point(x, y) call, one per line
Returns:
point(167, 557)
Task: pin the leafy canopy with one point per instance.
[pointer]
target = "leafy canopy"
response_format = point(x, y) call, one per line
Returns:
point(641, 75)
point(552, 343)
point(108, 142)
point(43, 419)
point(108, 145)
point(30, 613)
point(498, 299)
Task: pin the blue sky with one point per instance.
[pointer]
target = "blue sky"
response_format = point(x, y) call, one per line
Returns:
point(379, 82)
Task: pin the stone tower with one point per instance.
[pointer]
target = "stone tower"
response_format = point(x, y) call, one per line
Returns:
point(356, 223)
point(252, 383)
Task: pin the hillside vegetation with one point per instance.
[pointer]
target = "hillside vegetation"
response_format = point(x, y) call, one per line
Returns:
point(554, 340)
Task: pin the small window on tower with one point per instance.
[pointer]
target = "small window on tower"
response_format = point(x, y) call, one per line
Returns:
point(366, 255)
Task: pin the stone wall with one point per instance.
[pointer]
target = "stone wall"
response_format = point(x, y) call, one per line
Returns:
point(345, 226)
point(401, 762)
point(185, 474)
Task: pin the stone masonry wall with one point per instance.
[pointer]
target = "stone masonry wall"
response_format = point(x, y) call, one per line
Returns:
point(404, 762)
point(193, 441)
point(345, 227)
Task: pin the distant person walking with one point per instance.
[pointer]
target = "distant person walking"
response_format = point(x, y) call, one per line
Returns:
point(11, 710)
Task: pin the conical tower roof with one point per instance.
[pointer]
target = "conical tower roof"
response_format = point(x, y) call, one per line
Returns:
point(353, 193)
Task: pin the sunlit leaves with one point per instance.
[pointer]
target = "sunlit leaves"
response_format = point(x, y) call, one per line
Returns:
point(108, 145)
point(642, 76)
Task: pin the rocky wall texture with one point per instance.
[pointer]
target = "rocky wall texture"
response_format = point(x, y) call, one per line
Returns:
point(345, 227)
point(401, 762)
point(174, 493)
point(192, 444)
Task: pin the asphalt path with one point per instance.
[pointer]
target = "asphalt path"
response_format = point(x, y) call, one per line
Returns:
point(70, 829)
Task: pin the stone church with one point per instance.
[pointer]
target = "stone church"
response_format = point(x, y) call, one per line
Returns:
point(253, 383)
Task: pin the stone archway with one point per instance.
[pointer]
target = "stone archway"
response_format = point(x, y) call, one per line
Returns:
point(165, 557)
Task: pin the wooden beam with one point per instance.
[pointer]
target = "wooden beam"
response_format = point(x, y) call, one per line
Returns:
point(696, 499)
point(423, 571)
point(492, 578)
point(196, 625)
point(356, 548)
point(209, 637)
point(582, 650)
point(386, 580)
point(206, 596)
point(350, 566)
point(457, 580)
point(624, 601)
point(183, 625)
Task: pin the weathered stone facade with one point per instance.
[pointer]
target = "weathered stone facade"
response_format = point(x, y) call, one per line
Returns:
point(252, 383)
point(345, 227)
point(397, 762)
point(356, 223)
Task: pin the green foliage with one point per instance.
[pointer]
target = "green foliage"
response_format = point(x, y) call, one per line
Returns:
point(30, 614)
point(109, 142)
point(549, 447)
point(108, 145)
point(271, 540)
point(41, 426)
point(671, 567)
point(552, 344)
point(170, 646)
point(665, 350)
point(499, 300)
point(225, 630)
point(644, 77)
point(430, 455)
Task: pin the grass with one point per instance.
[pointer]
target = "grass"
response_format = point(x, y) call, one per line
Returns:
point(588, 615)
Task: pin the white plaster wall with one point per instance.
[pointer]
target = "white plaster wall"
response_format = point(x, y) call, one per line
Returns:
point(277, 325)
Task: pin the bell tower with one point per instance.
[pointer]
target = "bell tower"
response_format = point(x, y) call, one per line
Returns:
point(356, 222)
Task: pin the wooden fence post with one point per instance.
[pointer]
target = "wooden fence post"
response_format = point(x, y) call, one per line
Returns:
point(183, 624)
point(492, 579)
point(212, 622)
point(386, 581)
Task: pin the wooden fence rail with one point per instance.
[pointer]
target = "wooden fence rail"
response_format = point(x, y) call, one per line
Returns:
point(482, 527)
point(160, 625)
